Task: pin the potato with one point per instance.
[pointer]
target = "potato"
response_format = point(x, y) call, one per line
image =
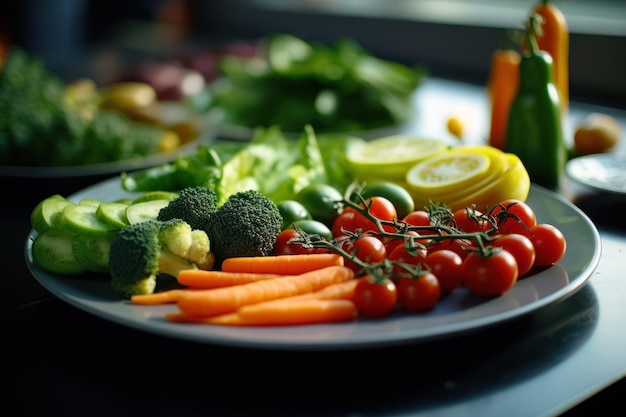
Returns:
point(597, 133)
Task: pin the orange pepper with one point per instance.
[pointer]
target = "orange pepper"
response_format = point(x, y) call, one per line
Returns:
point(554, 39)
point(502, 87)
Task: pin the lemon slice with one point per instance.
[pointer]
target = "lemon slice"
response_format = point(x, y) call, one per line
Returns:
point(513, 183)
point(448, 172)
point(391, 156)
point(505, 178)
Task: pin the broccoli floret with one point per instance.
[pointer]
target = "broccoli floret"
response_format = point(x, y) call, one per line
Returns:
point(40, 126)
point(195, 205)
point(247, 224)
point(142, 251)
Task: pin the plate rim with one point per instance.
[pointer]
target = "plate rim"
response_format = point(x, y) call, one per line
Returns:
point(574, 163)
point(323, 336)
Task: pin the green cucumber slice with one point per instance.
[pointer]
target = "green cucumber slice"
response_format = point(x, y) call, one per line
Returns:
point(52, 251)
point(92, 252)
point(113, 214)
point(90, 202)
point(46, 214)
point(139, 212)
point(81, 219)
point(156, 195)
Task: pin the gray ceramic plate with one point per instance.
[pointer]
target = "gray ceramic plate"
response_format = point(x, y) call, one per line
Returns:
point(454, 315)
point(602, 172)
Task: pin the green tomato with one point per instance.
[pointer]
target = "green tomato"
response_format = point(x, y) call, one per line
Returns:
point(398, 195)
point(321, 201)
point(291, 211)
point(314, 227)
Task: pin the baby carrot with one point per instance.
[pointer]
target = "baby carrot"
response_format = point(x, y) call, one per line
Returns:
point(205, 303)
point(280, 313)
point(163, 297)
point(201, 279)
point(282, 264)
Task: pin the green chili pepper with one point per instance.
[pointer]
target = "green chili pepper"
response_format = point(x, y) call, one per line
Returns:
point(534, 131)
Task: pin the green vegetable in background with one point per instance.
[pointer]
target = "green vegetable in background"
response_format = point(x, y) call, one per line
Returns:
point(41, 126)
point(534, 130)
point(337, 88)
point(272, 164)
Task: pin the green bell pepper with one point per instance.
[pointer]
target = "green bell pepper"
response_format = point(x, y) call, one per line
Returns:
point(534, 131)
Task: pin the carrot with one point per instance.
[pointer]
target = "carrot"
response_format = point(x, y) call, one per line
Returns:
point(502, 85)
point(555, 41)
point(279, 313)
point(205, 303)
point(502, 88)
point(198, 278)
point(282, 264)
point(163, 297)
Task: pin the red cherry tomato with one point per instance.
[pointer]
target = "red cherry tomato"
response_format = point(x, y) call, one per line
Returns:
point(283, 247)
point(366, 248)
point(419, 294)
point(458, 246)
point(520, 217)
point(391, 244)
point(400, 254)
point(382, 209)
point(344, 221)
point(549, 243)
point(470, 221)
point(417, 218)
point(446, 266)
point(490, 276)
point(521, 248)
point(375, 299)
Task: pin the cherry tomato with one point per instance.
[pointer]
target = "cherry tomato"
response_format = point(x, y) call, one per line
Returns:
point(344, 221)
point(391, 244)
point(375, 299)
point(418, 218)
point(366, 248)
point(398, 195)
point(470, 221)
point(521, 248)
point(419, 294)
point(490, 276)
point(400, 254)
point(446, 266)
point(521, 210)
point(382, 209)
point(283, 247)
point(455, 245)
point(549, 243)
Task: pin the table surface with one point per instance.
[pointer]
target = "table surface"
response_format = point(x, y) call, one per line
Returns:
point(59, 360)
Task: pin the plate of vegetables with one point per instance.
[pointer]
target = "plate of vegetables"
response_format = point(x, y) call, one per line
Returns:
point(457, 313)
point(51, 129)
point(290, 82)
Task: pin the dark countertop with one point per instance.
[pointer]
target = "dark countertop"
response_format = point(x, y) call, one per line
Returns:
point(58, 360)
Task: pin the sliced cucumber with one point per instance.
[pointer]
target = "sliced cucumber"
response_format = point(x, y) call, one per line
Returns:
point(139, 212)
point(82, 219)
point(90, 202)
point(46, 214)
point(92, 252)
point(52, 251)
point(113, 214)
point(156, 195)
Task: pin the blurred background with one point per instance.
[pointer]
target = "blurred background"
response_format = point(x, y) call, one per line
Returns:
point(451, 38)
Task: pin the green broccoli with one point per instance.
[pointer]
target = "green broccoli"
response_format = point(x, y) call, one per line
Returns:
point(247, 224)
point(39, 125)
point(195, 205)
point(142, 251)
